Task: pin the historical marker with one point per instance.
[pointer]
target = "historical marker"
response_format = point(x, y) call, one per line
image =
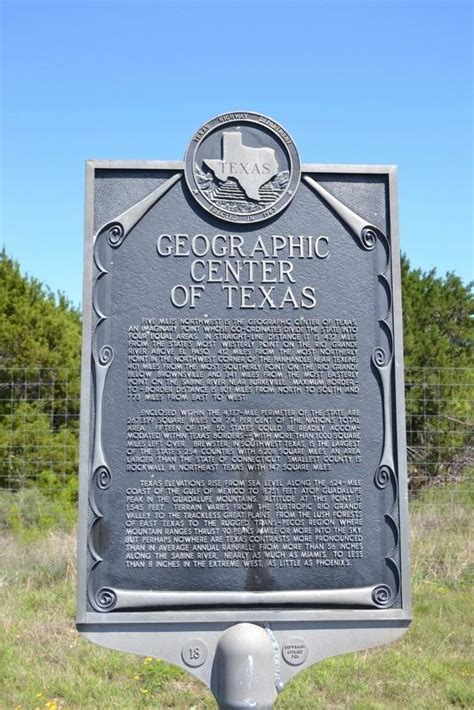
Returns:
point(243, 436)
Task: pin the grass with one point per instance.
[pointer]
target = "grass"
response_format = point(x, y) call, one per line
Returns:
point(47, 665)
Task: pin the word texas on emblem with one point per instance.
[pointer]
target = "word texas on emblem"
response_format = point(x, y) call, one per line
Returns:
point(242, 167)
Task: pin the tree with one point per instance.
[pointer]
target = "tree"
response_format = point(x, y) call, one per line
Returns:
point(40, 336)
point(438, 329)
point(40, 341)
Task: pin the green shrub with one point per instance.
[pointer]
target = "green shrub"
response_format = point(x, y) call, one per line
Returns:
point(30, 509)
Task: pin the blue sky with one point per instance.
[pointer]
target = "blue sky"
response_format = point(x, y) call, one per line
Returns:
point(383, 81)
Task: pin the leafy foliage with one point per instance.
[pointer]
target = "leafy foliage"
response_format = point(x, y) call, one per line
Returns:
point(40, 336)
point(37, 451)
point(438, 329)
point(437, 319)
point(37, 328)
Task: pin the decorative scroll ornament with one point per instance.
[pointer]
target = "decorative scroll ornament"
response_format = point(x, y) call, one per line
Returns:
point(368, 235)
point(101, 364)
point(368, 238)
point(383, 364)
point(106, 355)
point(379, 357)
point(365, 232)
point(378, 596)
point(113, 234)
point(119, 228)
point(383, 596)
point(383, 476)
point(103, 478)
point(105, 599)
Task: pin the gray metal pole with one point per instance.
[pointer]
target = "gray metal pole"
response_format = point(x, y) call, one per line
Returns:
point(243, 675)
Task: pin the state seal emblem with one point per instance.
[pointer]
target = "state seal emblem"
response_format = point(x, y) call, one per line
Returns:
point(242, 167)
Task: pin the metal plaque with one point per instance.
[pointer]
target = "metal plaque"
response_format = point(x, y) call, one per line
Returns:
point(242, 419)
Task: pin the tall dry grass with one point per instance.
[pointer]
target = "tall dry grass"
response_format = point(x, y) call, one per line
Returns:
point(34, 562)
point(442, 540)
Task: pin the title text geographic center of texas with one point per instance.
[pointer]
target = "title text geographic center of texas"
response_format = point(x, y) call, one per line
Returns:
point(259, 260)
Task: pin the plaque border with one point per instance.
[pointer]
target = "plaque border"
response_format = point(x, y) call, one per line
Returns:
point(209, 617)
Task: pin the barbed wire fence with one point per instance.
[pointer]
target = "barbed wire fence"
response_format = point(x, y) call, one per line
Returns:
point(39, 425)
